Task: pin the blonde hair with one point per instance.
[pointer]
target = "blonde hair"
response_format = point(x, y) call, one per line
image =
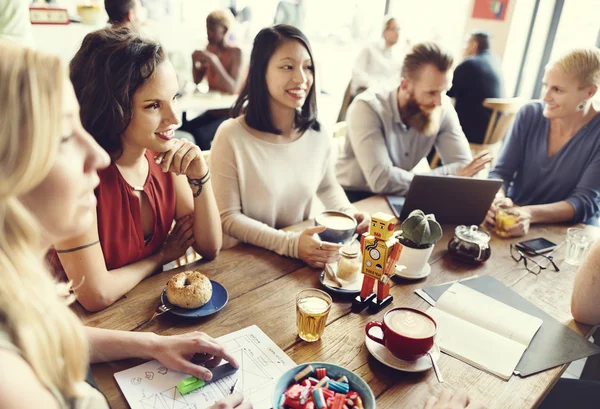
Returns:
point(39, 322)
point(222, 16)
point(583, 64)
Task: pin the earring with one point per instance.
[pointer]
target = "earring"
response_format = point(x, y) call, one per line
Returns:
point(581, 105)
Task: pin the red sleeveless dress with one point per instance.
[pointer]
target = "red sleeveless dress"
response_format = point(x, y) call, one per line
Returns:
point(119, 216)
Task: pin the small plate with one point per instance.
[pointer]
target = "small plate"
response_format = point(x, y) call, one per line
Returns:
point(383, 355)
point(325, 282)
point(422, 274)
point(219, 298)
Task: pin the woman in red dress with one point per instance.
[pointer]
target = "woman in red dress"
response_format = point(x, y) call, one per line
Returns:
point(127, 91)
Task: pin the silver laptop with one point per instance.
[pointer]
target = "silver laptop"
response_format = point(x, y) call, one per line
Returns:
point(452, 199)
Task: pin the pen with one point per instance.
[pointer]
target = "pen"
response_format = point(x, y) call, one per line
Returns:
point(234, 387)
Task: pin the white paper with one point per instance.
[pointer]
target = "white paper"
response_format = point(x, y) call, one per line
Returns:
point(486, 312)
point(262, 362)
point(476, 346)
point(482, 331)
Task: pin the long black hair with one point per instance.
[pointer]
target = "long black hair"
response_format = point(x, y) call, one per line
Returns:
point(255, 92)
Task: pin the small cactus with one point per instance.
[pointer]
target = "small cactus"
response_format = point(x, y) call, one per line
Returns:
point(421, 229)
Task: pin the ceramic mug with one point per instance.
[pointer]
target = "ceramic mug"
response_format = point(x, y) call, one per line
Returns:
point(340, 226)
point(407, 333)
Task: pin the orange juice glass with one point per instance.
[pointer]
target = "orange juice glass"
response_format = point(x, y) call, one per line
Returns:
point(505, 218)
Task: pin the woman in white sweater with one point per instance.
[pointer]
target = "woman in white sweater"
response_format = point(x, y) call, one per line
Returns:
point(272, 158)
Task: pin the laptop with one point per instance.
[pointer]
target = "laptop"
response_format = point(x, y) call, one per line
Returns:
point(452, 199)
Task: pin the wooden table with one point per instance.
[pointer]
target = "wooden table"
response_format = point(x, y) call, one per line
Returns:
point(262, 287)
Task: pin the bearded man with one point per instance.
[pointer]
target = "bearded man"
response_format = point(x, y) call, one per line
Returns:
point(389, 133)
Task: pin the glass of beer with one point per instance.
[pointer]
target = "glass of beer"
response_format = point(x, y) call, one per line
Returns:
point(505, 218)
point(312, 309)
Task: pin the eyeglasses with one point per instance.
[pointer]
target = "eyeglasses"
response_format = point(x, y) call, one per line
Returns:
point(530, 264)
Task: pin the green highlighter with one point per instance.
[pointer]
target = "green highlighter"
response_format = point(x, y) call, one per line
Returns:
point(192, 383)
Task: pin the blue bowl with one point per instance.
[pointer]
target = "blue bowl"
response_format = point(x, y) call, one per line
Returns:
point(336, 234)
point(357, 384)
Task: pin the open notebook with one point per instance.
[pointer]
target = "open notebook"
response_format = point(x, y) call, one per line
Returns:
point(481, 331)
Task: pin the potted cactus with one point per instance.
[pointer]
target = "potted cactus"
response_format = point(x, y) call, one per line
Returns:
point(419, 234)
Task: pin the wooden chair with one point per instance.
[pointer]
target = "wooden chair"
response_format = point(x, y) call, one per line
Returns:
point(503, 115)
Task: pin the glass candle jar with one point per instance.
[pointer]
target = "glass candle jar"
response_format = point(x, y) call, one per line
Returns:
point(350, 264)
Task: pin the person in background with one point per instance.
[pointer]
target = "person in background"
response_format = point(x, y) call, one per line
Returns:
point(478, 77)
point(390, 132)
point(378, 64)
point(123, 13)
point(15, 24)
point(272, 159)
point(550, 162)
point(584, 307)
point(127, 90)
point(221, 64)
point(47, 177)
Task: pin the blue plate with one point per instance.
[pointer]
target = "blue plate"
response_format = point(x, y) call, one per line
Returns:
point(219, 299)
point(334, 372)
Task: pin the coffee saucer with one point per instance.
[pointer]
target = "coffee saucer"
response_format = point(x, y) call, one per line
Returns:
point(383, 355)
point(349, 288)
point(422, 274)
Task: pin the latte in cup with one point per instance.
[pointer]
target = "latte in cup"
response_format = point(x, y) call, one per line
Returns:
point(336, 222)
point(410, 323)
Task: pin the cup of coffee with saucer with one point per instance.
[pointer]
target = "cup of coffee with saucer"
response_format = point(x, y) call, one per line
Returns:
point(403, 340)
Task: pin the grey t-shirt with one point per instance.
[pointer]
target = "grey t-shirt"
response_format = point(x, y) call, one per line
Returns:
point(380, 150)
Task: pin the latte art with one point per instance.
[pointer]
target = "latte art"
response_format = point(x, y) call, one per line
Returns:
point(410, 324)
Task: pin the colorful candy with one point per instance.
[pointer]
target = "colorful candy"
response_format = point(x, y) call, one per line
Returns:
point(322, 393)
point(319, 398)
point(303, 373)
point(339, 387)
point(321, 373)
point(323, 382)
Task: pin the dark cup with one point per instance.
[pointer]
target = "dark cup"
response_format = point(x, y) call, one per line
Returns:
point(336, 232)
point(402, 346)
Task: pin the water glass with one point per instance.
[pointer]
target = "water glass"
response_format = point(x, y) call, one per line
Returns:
point(312, 309)
point(578, 243)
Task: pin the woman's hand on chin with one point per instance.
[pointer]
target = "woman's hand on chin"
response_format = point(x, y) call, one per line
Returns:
point(184, 158)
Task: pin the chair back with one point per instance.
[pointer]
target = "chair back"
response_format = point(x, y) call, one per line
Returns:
point(503, 114)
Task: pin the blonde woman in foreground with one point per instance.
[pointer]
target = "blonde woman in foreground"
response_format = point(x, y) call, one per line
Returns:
point(48, 171)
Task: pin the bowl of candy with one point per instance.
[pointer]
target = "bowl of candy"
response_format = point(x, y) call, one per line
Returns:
point(316, 385)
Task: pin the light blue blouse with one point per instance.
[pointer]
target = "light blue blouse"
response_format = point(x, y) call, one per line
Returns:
point(572, 174)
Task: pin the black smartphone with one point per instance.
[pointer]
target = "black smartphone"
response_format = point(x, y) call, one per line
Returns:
point(536, 246)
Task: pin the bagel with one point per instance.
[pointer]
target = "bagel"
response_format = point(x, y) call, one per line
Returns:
point(189, 289)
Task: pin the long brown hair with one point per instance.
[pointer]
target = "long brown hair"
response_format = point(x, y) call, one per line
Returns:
point(106, 71)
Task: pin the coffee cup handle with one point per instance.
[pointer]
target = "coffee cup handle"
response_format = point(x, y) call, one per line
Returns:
point(374, 338)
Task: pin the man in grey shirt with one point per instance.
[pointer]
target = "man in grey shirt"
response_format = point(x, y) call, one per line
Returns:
point(388, 133)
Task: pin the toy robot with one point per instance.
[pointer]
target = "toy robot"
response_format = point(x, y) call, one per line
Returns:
point(380, 252)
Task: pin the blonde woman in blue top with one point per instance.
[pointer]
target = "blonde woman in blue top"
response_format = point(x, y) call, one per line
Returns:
point(550, 163)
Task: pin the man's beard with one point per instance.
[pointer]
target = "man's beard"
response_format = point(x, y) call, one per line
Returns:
point(425, 122)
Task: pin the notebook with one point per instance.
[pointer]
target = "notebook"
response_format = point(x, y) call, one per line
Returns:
point(554, 343)
point(481, 331)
